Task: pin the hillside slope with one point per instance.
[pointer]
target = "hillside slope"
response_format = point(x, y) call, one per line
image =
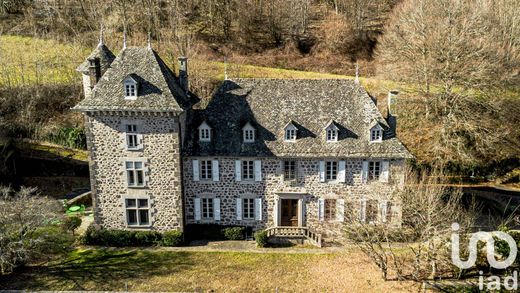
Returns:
point(54, 78)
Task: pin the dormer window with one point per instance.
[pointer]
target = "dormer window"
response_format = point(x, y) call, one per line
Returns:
point(204, 132)
point(248, 133)
point(331, 132)
point(130, 88)
point(290, 132)
point(376, 134)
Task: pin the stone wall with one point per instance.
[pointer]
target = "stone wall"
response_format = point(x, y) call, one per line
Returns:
point(161, 152)
point(307, 184)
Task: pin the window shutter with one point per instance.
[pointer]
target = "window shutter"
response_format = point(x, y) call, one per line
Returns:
point(321, 209)
point(340, 210)
point(216, 208)
point(276, 217)
point(238, 170)
point(258, 209)
point(322, 171)
point(239, 209)
point(341, 171)
point(364, 173)
point(197, 209)
point(258, 170)
point(215, 170)
point(385, 171)
point(195, 170)
point(389, 212)
point(362, 210)
point(383, 210)
point(140, 144)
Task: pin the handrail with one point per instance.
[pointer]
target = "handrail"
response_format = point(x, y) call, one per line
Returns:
point(295, 231)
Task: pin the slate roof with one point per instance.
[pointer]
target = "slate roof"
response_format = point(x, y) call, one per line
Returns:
point(158, 90)
point(270, 104)
point(106, 57)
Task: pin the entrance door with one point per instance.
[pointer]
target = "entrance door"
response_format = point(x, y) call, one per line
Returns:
point(289, 216)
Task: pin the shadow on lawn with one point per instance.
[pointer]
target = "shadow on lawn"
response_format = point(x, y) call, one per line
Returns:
point(101, 269)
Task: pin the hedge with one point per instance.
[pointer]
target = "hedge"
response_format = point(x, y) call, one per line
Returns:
point(261, 238)
point(234, 233)
point(121, 238)
point(215, 232)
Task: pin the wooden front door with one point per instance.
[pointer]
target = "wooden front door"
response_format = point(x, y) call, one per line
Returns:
point(289, 216)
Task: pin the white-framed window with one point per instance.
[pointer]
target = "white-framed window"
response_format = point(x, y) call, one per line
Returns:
point(207, 208)
point(331, 133)
point(130, 88)
point(248, 170)
point(331, 170)
point(248, 208)
point(289, 170)
point(204, 132)
point(248, 133)
point(132, 138)
point(374, 170)
point(137, 211)
point(330, 209)
point(290, 134)
point(135, 173)
point(206, 170)
point(376, 134)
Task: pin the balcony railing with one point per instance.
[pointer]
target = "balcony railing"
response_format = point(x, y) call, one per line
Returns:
point(296, 232)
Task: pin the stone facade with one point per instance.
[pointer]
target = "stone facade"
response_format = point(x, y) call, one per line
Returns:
point(161, 157)
point(307, 187)
point(143, 142)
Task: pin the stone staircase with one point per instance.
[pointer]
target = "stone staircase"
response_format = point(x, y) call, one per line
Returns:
point(290, 232)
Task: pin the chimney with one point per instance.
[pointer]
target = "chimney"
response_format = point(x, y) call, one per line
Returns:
point(94, 71)
point(391, 118)
point(183, 73)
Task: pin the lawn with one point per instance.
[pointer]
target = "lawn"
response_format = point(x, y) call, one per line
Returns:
point(174, 270)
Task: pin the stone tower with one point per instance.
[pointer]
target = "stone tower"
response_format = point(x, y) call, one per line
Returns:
point(135, 110)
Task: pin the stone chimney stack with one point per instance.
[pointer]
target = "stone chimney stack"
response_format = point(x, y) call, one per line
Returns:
point(94, 71)
point(183, 73)
point(391, 117)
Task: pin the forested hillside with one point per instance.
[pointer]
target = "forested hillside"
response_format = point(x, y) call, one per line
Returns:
point(455, 63)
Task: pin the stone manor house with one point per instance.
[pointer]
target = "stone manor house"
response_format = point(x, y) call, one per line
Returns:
point(263, 153)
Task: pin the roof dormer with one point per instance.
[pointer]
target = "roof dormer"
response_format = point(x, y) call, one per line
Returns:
point(248, 133)
point(376, 133)
point(290, 132)
point(331, 132)
point(204, 132)
point(130, 88)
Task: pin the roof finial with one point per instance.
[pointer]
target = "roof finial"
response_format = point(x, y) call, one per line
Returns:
point(357, 73)
point(149, 40)
point(124, 37)
point(101, 40)
point(225, 68)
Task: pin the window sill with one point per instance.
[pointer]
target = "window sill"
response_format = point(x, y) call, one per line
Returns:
point(248, 181)
point(206, 181)
point(134, 149)
point(137, 187)
point(206, 221)
point(139, 227)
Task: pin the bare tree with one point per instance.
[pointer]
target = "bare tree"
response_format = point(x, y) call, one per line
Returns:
point(419, 249)
point(22, 214)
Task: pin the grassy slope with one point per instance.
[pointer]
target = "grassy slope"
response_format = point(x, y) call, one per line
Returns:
point(159, 270)
point(415, 131)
